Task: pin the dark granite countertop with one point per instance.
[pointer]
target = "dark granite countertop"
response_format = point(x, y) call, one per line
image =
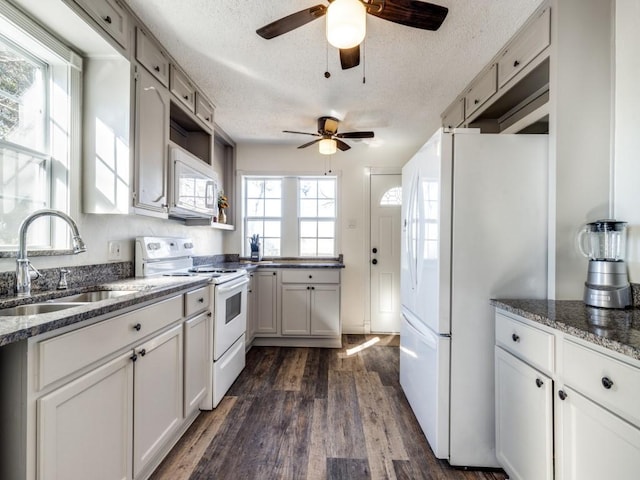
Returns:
point(617, 330)
point(16, 328)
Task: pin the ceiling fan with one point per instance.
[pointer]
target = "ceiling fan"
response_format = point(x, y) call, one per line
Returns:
point(330, 139)
point(346, 21)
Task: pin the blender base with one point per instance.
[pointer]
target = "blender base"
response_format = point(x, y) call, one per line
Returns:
point(607, 297)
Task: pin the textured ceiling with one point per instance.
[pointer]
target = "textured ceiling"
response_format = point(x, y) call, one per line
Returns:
point(261, 87)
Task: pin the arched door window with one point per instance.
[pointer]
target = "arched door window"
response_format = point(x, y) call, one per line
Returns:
point(392, 197)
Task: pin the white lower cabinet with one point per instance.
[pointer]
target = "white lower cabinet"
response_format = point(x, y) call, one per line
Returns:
point(157, 395)
point(265, 285)
point(196, 359)
point(594, 444)
point(524, 419)
point(310, 310)
point(85, 427)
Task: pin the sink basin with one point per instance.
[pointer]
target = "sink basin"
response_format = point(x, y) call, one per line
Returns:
point(36, 308)
point(94, 296)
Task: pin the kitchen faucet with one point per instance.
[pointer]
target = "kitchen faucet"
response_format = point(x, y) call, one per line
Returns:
point(25, 272)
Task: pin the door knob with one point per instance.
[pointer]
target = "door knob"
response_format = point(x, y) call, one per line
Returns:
point(375, 250)
point(374, 261)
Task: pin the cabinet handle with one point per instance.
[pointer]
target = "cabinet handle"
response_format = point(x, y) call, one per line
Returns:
point(515, 338)
point(107, 19)
point(516, 63)
point(137, 327)
point(607, 382)
point(143, 352)
point(207, 119)
point(186, 97)
point(562, 394)
point(134, 357)
point(539, 382)
point(201, 300)
point(156, 68)
point(476, 101)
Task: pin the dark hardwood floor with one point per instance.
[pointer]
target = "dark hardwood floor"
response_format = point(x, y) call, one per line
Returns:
point(309, 413)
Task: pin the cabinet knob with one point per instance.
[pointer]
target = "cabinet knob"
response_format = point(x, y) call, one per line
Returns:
point(515, 338)
point(308, 287)
point(134, 357)
point(562, 394)
point(201, 300)
point(476, 101)
point(516, 63)
point(274, 273)
point(607, 382)
point(374, 261)
point(313, 288)
point(156, 68)
point(107, 19)
point(539, 382)
point(143, 352)
point(137, 327)
point(374, 250)
point(310, 276)
point(186, 97)
point(209, 314)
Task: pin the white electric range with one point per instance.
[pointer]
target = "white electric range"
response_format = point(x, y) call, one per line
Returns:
point(170, 256)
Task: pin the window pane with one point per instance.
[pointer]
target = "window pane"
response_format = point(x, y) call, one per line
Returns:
point(22, 99)
point(308, 229)
point(325, 247)
point(308, 208)
point(255, 208)
point(255, 188)
point(326, 208)
point(255, 227)
point(272, 208)
point(271, 247)
point(308, 189)
point(327, 188)
point(273, 189)
point(326, 229)
point(308, 246)
point(272, 229)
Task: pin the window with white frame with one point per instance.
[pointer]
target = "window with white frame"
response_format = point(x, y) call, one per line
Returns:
point(36, 100)
point(294, 215)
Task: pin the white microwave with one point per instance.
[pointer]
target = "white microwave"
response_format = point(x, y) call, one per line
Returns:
point(193, 186)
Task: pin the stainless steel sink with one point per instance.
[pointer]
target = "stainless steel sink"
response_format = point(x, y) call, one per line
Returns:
point(36, 308)
point(94, 296)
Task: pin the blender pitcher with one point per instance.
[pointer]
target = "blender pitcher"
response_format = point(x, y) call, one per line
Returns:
point(603, 240)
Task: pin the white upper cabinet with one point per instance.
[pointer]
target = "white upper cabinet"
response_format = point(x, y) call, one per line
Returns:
point(111, 16)
point(182, 88)
point(151, 57)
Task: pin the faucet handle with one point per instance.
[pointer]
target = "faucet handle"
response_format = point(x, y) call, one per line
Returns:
point(34, 273)
point(62, 284)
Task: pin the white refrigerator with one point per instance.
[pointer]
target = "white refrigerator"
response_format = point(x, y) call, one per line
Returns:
point(474, 215)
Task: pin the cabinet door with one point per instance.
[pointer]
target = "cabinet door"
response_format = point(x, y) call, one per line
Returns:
point(152, 140)
point(85, 426)
point(325, 310)
point(524, 419)
point(266, 283)
point(252, 316)
point(594, 444)
point(111, 16)
point(157, 394)
point(197, 371)
point(295, 309)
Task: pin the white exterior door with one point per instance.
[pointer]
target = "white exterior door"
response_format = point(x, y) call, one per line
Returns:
point(386, 201)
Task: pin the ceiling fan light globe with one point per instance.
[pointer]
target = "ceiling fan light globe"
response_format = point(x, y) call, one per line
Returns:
point(327, 146)
point(346, 23)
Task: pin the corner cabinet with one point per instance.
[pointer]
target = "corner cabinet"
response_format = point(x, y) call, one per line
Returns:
point(151, 143)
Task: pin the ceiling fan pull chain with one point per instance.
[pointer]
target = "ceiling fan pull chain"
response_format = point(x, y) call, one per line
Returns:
point(326, 73)
point(364, 62)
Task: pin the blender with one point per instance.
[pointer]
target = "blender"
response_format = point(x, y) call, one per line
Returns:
point(607, 285)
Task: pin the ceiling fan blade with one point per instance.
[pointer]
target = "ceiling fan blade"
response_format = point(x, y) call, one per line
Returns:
point(291, 22)
point(350, 57)
point(309, 144)
point(302, 133)
point(341, 145)
point(355, 135)
point(411, 13)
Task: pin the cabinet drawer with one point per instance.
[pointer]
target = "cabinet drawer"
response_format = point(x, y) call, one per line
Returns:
point(111, 16)
point(196, 301)
point(310, 276)
point(150, 56)
point(531, 344)
point(481, 90)
point(63, 355)
point(204, 110)
point(182, 88)
point(525, 48)
point(603, 379)
point(454, 116)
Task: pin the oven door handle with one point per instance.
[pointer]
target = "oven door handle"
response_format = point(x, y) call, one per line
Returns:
point(227, 287)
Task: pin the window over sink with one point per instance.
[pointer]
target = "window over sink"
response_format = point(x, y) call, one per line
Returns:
point(39, 94)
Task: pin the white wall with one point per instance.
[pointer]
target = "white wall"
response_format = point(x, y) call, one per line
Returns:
point(627, 127)
point(352, 167)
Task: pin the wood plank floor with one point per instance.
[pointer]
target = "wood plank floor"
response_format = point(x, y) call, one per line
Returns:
point(309, 413)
